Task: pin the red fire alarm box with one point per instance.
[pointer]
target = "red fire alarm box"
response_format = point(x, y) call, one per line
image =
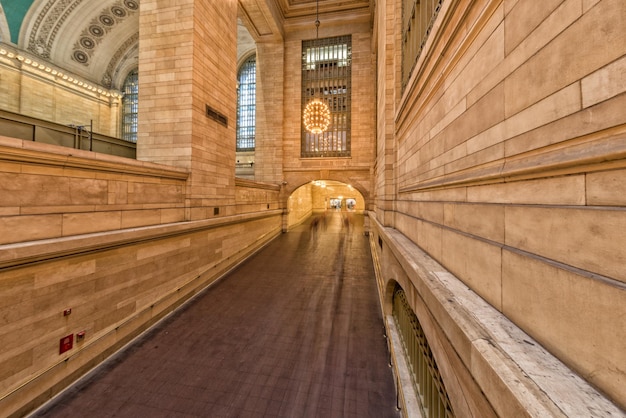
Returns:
point(66, 343)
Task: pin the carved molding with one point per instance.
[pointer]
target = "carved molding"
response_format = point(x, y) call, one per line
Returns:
point(117, 58)
point(47, 25)
point(99, 27)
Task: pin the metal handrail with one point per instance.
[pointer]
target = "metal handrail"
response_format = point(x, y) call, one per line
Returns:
point(29, 128)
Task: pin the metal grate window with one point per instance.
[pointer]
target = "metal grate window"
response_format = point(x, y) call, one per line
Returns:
point(327, 75)
point(129, 106)
point(246, 105)
point(426, 377)
point(418, 17)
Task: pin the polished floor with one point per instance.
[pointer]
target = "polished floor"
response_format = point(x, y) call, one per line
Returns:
point(295, 331)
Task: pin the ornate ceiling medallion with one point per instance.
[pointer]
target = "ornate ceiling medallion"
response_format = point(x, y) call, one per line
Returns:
point(131, 5)
point(80, 56)
point(87, 43)
point(118, 11)
point(99, 26)
point(96, 31)
point(106, 20)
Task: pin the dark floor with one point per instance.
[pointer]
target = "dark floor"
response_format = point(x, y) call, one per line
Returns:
point(295, 331)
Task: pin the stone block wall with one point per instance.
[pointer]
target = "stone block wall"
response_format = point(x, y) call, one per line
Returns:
point(187, 62)
point(356, 169)
point(252, 197)
point(299, 205)
point(271, 103)
point(107, 238)
point(510, 142)
point(54, 192)
point(38, 94)
point(122, 242)
point(116, 286)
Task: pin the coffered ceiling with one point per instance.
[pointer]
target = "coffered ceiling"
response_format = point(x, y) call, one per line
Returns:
point(95, 40)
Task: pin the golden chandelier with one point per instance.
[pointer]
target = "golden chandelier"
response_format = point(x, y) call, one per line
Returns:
point(316, 117)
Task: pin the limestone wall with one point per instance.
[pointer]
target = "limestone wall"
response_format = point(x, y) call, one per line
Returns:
point(270, 99)
point(509, 168)
point(356, 169)
point(188, 66)
point(53, 192)
point(108, 238)
point(33, 92)
point(299, 205)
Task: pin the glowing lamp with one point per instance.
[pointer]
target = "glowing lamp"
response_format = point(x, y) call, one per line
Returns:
point(316, 116)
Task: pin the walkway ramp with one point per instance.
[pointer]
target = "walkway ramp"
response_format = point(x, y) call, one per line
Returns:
point(295, 331)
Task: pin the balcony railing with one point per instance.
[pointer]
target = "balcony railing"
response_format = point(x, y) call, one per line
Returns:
point(28, 128)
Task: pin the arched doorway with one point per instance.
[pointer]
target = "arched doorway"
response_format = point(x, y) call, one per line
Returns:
point(321, 197)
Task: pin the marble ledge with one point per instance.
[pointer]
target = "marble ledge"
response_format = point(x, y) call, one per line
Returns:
point(17, 254)
point(21, 151)
point(535, 379)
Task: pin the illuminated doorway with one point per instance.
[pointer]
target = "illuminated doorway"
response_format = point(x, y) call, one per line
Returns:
point(319, 196)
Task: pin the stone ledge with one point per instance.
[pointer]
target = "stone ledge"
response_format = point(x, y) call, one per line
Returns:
point(528, 375)
point(241, 182)
point(13, 255)
point(28, 152)
point(577, 157)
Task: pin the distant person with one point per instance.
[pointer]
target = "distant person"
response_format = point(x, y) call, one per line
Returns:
point(314, 223)
point(347, 222)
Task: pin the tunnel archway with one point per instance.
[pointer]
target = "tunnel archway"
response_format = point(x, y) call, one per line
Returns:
point(320, 196)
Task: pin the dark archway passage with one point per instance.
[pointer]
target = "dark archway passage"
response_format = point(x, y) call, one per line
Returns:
point(295, 331)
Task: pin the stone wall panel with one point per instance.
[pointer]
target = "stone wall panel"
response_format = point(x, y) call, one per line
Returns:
point(562, 310)
point(516, 108)
point(595, 244)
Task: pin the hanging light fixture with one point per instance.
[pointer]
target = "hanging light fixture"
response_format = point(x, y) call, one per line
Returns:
point(316, 117)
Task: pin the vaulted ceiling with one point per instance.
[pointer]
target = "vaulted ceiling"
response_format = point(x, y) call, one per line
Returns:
point(98, 40)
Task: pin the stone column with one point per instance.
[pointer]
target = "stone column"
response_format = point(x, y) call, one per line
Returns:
point(269, 112)
point(188, 61)
point(385, 177)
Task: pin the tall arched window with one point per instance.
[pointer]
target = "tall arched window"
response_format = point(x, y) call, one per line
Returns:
point(129, 106)
point(246, 105)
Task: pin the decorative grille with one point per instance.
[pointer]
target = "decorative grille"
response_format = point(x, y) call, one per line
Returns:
point(246, 105)
point(327, 75)
point(425, 373)
point(418, 17)
point(129, 106)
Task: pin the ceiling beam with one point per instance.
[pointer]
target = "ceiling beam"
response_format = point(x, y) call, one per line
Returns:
point(262, 19)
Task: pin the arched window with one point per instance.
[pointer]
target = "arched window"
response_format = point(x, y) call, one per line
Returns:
point(129, 107)
point(246, 105)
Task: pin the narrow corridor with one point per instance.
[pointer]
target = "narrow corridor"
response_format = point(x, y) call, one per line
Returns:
point(295, 331)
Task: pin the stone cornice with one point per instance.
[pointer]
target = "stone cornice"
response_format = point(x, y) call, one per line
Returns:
point(579, 156)
point(28, 63)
